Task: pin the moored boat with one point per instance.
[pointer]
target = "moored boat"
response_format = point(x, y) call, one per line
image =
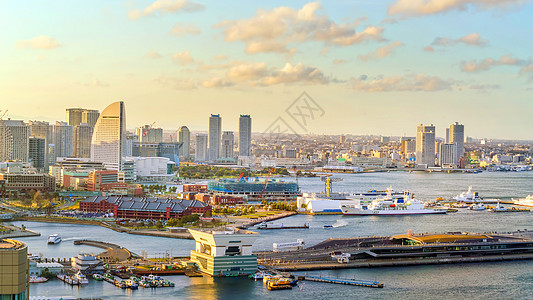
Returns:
point(527, 201)
point(36, 279)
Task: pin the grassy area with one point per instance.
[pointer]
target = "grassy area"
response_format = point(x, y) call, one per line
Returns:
point(261, 214)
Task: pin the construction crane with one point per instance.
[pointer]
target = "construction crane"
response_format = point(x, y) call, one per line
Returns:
point(145, 131)
point(5, 112)
point(329, 182)
point(266, 183)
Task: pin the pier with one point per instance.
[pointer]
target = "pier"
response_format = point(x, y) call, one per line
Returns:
point(112, 251)
point(272, 227)
point(364, 283)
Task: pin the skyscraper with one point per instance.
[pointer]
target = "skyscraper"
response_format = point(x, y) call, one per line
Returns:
point(109, 136)
point(63, 139)
point(76, 116)
point(14, 140)
point(43, 130)
point(201, 147)
point(228, 143)
point(37, 152)
point(215, 134)
point(184, 137)
point(245, 135)
point(73, 116)
point(457, 136)
point(82, 140)
point(425, 145)
point(90, 116)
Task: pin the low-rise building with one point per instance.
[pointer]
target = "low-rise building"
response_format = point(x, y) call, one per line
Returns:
point(224, 253)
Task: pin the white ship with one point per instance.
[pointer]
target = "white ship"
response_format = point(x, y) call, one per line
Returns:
point(527, 201)
point(468, 197)
point(405, 205)
point(279, 247)
point(320, 203)
point(54, 239)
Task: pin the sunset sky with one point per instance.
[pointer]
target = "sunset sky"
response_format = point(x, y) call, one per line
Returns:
point(374, 67)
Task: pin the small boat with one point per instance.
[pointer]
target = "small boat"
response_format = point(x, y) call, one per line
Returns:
point(499, 208)
point(54, 239)
point(279, 284)
point(98, 277)
point(81, 278)
point(36, 279)
point(528, 201)
point(477, 207)
point(131, 284)
point(328, 226)
point(258, 275)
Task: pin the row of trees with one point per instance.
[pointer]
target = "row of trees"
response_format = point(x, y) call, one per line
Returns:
point(160, 188)
point(234, 211)
point(205, 172)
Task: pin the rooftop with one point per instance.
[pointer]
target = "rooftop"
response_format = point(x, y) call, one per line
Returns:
point(8, 244)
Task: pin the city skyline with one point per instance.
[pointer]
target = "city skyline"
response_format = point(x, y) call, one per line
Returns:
point(375, 68)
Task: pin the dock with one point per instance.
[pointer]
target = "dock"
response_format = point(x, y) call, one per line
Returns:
point(112, 251)
point(305, 226)
point(364, 283)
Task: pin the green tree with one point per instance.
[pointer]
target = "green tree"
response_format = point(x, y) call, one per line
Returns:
point(159, 225)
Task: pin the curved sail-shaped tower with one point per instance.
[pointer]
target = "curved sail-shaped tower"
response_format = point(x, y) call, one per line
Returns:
point(109, 136)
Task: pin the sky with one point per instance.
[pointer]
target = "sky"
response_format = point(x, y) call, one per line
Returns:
point(325, 67)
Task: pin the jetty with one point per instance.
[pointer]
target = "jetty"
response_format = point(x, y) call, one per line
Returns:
point(345, 281)
point(112, 251)
point(268, 226)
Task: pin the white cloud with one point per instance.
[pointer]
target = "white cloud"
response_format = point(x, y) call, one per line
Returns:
point(217, 83)
point(181, 29)
point(161, 7)
point(153, 54)
point(277, 29)
point(486, 64)
point(473, 39)
point(246, 72)
point(298, 73)
point(183, 58)
point(40, 42)
point(381, 52)
point(416, 8)
point(401, 83)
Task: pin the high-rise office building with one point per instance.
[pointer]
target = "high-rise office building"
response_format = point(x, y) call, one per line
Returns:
point(184, 137)
point(457, 136)
point(448, 154)
point(245, 135)
point(14, 140)
point(63, 139)
point(90, 116)
point(201, 147)
point(37, 152)
point(228, 143)
point(425, 145)
point(83, 134)
point(109, 136)
point(14, 270)
point(149, 134)
point(215, 134)
point(447, 139)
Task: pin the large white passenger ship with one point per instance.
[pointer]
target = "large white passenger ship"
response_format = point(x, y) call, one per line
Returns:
point(389, 205)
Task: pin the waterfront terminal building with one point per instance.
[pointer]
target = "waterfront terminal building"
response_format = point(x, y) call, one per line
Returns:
point(255, 189)
point(14, 267)
point(224, 253)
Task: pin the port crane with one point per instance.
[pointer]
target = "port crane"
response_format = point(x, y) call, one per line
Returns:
point(329, 182)
point(145, 131)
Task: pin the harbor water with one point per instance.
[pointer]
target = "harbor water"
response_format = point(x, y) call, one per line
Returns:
point(493, 280)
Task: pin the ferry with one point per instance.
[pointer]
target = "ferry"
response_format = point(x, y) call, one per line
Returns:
point(405, 205)
point(54, 239)
point(320, 203)
point(527, 201)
